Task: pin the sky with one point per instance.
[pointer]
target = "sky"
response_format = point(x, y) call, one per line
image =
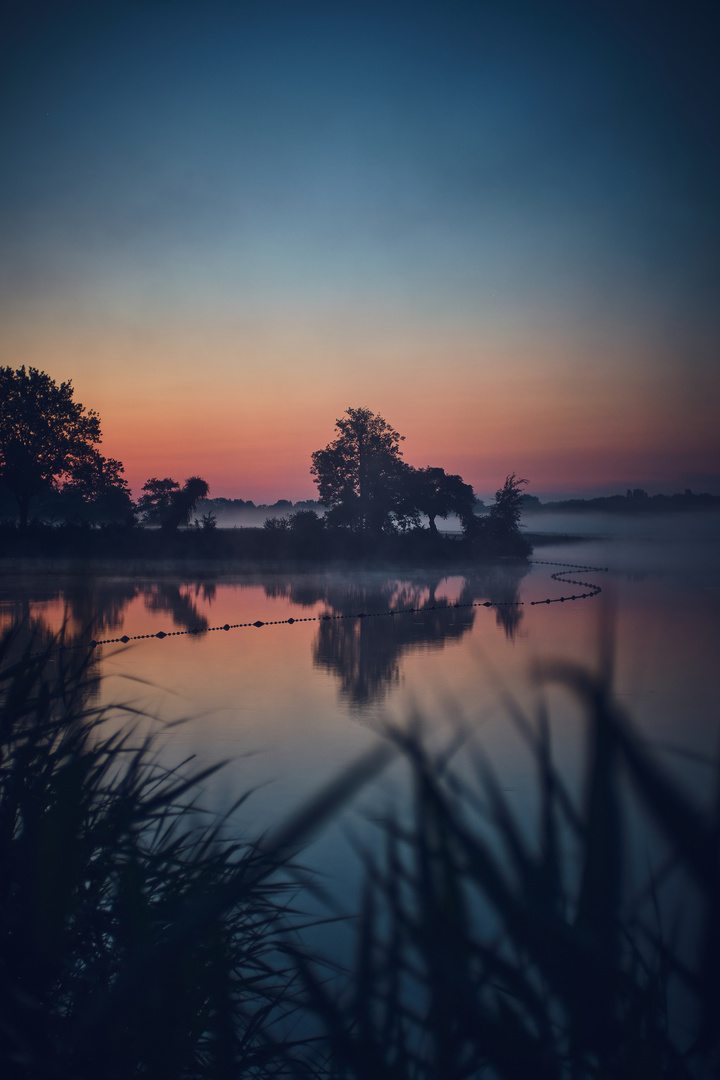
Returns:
point(496, 224)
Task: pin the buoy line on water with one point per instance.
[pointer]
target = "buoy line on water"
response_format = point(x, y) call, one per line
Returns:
point(559, 575)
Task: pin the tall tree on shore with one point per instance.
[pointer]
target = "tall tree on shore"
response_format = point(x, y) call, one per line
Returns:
point(506, 511)
point(361, 474)
point(44, 434)
point(501, 526)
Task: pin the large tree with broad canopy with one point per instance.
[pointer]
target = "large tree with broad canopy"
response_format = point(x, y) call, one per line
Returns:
point(361, 476)
point(44, 434)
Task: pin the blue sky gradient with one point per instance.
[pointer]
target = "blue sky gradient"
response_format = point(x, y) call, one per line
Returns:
point(323, 204)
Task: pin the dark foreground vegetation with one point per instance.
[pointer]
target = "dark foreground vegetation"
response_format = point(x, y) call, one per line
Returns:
point(137, 939)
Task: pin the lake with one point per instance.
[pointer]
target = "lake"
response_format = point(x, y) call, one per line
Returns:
point(288, 704)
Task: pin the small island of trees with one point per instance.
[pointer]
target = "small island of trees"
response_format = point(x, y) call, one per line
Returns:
point(60, 495)
point(57, 487)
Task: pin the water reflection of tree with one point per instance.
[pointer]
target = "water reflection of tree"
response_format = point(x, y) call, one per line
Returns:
point(166, 596)
point(499, 583)
point(366, 654)
point(94, 607)
point(27, 629)
point(90, 609)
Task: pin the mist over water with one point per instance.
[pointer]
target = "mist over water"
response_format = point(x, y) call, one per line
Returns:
point(678, 546)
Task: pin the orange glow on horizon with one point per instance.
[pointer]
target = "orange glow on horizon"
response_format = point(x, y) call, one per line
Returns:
point(245, 410)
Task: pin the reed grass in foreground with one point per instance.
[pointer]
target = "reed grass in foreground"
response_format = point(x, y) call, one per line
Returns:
point(481, 951)
point(136, 941)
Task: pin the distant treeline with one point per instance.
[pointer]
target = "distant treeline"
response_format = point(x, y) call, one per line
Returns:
point(228, 507)
point(635, 501)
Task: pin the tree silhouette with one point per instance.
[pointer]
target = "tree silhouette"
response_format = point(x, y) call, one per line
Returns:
point(506, 511)
point(97, 491)
point(361, 475)
point(183, 502)
point(501, 526)
point(437, 494)
point(44, 434)
point(154, 505)
point(167, 504)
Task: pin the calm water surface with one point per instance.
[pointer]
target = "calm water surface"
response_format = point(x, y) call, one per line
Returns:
point(288, 705)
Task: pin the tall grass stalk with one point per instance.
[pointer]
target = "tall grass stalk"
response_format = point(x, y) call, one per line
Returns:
point(482, 951)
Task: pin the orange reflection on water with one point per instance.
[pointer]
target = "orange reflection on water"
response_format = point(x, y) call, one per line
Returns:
point(306, 697)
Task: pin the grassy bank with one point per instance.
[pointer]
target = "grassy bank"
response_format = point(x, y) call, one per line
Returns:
point(251, 546)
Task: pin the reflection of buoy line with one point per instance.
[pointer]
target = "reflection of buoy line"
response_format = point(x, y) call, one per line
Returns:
point(560, 575)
